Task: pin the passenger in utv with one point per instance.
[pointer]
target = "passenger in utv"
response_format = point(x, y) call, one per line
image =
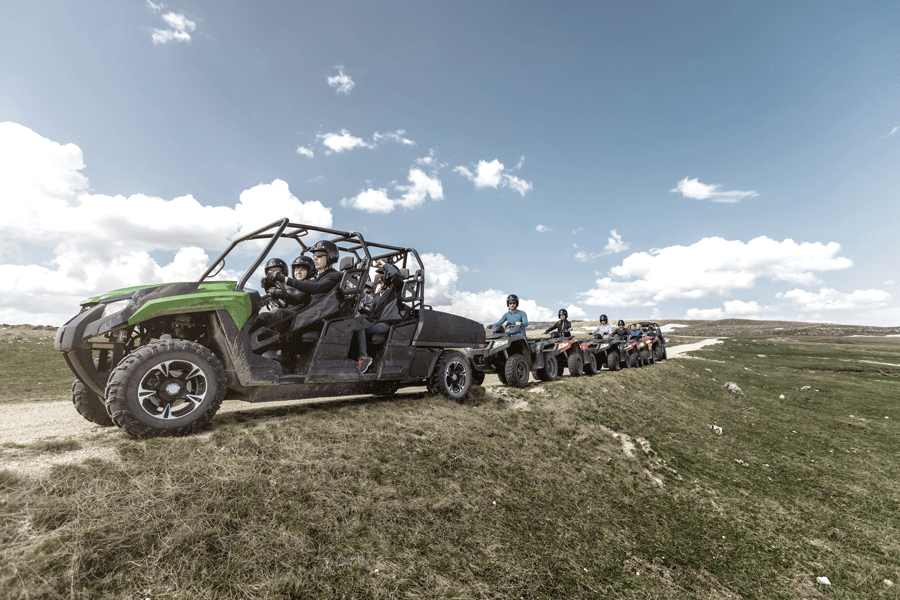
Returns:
point(563, 327)
point(516, 318)
point(620, 331)
point(603, 331)
point(325, 254)
point(383, 310)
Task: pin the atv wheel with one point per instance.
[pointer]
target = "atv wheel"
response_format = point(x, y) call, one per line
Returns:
point(590, 365)
point(550, 370)
point(477, 377)
point(168, 387)
point(646, 356)
point(632, 360)
point(660, 353)
point(89, 405)
point(452, 376)
point(576, 365)
point(612, 361)
point(501, 375)
point(516, 371)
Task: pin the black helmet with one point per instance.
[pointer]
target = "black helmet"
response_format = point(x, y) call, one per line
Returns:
point(277, 263)
point(329, 248)
point(563, 314)
point(512, 298)
point(621, 323)
point(603, 318)
point(305, 262)
point(390, 274)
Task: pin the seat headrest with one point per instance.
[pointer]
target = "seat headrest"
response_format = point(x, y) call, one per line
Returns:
point(346, 263)
point(404, 273)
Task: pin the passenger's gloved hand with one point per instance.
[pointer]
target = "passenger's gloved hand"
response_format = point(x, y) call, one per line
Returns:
point(277, 276)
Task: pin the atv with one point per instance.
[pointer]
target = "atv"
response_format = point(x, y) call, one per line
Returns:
point(159, 360)
point(504, 353)
point(599, 352)
point(552, 355)
point(653, 340)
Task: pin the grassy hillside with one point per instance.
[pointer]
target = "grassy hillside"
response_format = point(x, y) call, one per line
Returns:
point(611, 486)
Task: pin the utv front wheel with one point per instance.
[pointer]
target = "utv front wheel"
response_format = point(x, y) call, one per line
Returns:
point(516, 371)
point(576, 365)
point(452, 376)
point(89, 405)
point(169, 387)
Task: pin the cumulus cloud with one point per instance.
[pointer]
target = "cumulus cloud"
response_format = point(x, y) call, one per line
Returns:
point(729, 310)
point(92, 243)
point(421, 187)
point(178, 27)
point(393, 136)
point(829, 299)
point(304, 151)
point(345, 141)
point(542, 228)
point(441, 291)
point(492, 175)
point(615, 243)
point(692, 188)
point(342, 83)
point(712, 266)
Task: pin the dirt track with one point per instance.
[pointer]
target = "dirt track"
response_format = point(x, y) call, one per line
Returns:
point(27, 424)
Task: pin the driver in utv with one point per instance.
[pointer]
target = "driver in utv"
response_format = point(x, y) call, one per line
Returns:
point(325, 254)
point(283, 300)
point(563, 327)
point(517, 319)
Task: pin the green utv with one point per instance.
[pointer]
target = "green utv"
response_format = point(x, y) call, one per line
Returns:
point(159, 360)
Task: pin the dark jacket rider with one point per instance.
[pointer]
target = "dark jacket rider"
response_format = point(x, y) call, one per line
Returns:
point(562, 326)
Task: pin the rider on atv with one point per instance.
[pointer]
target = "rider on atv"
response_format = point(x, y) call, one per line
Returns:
point(517, 319)
point(603, 331)
point(563, 327)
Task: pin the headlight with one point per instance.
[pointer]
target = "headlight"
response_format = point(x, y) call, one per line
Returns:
point(499, 344)
point(114, 307)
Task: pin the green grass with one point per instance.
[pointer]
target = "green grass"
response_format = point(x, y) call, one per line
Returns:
point(32, 371)
point(417, 497)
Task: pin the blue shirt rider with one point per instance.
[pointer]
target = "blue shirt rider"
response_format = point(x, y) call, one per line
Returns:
point(516, 318)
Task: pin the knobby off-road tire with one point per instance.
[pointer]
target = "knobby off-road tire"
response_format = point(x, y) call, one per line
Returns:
point(501, 375)
point(89, 405)
point(169, 387)
point(576, 365)
point(632, 360)
point(612, 361)
point(660, 353)
point(590, 365)
point(477, 377)
point(452, 376)
point(550, 370)
point(647, 356)
point(516, 371)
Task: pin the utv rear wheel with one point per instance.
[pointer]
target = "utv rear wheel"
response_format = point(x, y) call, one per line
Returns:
point(612, 361)
point(576, 365)
point(516, 371)
point(89, 405)
point(169, 387)
point(452, 376)
point(550, 370)
point(590, 365)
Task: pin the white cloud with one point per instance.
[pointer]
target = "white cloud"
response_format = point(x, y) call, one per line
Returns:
point(829, 299)
point(712, 266)
point(542, 228)
point(729, 310)
point(95, 243)
point(341, 82)
point(179, 27)
point(490, 174)
point(393, 136)
point(487, 306)
point(691, 188)
point(615, 243)
point(582, 256)
point(891, 132)
point(341, 142)
point(420, 188)
point(156, 8)
point(304, 151)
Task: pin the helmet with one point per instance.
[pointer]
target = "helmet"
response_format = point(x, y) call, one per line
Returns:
point(277, 263)
point(305, 262)
point(603, 318)
point(329, 248)
point(621, 323)
point(563, 314)
point(512, 298)
point(390, 274)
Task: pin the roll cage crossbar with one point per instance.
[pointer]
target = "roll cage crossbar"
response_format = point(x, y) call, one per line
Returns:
point(365, 255)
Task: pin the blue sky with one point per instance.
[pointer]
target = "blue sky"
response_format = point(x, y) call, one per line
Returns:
point(668, 160)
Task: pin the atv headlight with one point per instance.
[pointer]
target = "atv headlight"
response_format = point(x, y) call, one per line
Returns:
point(114, 307)
point(497, 344)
